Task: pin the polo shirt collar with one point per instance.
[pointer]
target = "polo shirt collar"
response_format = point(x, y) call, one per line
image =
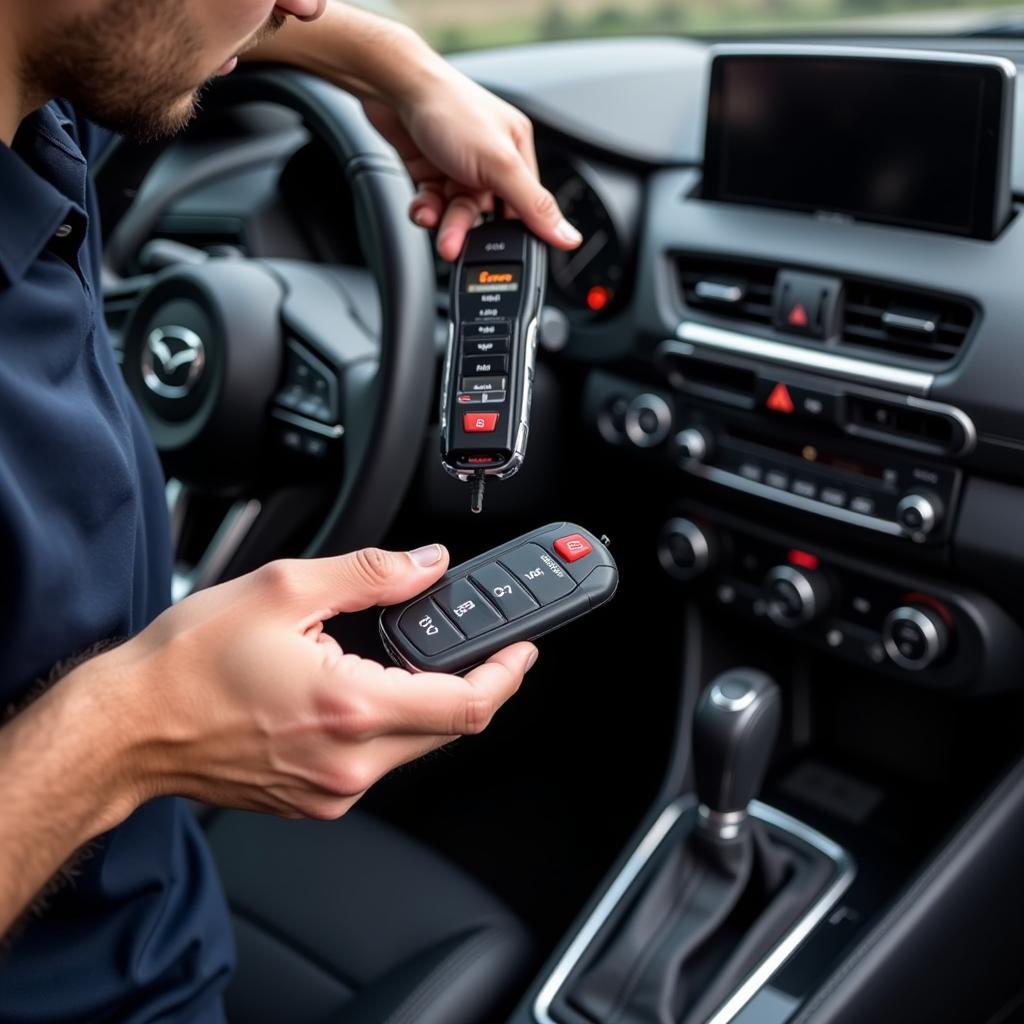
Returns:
point(36, 200)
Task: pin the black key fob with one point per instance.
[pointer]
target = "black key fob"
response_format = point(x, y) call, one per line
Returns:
point(518, 591)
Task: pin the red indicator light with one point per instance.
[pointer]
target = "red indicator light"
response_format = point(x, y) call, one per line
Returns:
point(803, 559)
point(780, 400)
point(797, 316)
point(598, 298)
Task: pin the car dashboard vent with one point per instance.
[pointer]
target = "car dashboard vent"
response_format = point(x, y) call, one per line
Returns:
point(904, 323)
point(733, 288)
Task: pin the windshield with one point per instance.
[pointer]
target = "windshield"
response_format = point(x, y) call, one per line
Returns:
point(469, 24)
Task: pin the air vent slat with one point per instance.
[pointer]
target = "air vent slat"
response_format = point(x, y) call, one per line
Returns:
point(901, 322)
point(904, 322)
point(732, 288)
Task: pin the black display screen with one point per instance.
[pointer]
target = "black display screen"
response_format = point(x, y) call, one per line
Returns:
point(905, 141)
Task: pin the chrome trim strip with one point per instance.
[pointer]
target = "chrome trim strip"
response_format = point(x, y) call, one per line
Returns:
point(233, 529)
point(868, 52)
point(804, 358)
point(615, 892)
point(741, 483)
point(331, 431)
point(943, 409)
point(845, 873)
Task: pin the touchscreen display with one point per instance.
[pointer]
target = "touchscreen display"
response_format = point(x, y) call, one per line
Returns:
point(911, 142)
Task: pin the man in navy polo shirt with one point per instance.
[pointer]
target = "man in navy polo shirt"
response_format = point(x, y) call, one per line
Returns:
point(235, 696)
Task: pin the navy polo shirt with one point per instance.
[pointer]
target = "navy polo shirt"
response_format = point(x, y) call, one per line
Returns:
point(142, 933)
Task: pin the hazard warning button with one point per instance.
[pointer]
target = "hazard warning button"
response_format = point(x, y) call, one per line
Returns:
point(806, 304)
point(780, 400)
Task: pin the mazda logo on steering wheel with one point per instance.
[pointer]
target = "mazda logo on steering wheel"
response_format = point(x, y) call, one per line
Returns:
point(172, 361)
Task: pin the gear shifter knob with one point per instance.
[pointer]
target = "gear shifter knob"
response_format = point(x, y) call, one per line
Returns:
point(735, 728)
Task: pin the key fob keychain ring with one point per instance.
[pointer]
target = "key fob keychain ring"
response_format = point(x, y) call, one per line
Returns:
point(518, 591)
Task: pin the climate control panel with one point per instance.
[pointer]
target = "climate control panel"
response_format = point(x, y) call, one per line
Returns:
point(925, 632)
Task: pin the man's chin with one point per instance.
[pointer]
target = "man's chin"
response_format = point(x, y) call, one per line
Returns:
point(152, 122)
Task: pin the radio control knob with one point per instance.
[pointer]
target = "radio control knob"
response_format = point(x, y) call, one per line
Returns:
point(648, 420)
point(919, 514)
point(794, 597)
point(685, 549)
point(693, 444)
point(915, 636)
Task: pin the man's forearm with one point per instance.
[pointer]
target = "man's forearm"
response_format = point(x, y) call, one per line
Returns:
point(66, 762)
point(373, 57)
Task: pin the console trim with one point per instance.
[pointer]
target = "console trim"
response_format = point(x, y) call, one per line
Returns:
point(845, 872)
point(801, 358)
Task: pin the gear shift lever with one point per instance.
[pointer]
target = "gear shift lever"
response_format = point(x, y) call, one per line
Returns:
point(735, 728)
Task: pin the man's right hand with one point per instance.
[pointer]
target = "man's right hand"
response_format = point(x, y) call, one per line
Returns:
point(239, 698)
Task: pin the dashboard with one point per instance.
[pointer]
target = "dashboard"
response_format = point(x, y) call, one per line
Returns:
point(855, 381)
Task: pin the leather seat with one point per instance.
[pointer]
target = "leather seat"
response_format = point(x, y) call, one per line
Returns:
point(352, 921)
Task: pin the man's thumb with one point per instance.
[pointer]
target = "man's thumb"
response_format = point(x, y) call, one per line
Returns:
point(360, 579)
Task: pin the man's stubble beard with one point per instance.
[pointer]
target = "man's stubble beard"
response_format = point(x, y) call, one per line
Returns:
point(131, 67)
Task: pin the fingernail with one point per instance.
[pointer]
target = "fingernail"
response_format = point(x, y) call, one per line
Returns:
point(426, 556)
point(532, 660)
point(420, 217)
point(568, 233)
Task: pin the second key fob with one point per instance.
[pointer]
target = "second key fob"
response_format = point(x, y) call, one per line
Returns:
point(518, 591)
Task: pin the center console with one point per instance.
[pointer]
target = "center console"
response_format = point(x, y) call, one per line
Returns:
point(818, 423)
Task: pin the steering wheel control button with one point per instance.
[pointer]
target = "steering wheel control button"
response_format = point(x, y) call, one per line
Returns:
point(480, 422)
point(539, 572)
point(429, 631)
point(503, 591)
point(467, 608)
point(573, 548)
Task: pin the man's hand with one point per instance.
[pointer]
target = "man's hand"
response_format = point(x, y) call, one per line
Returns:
point(461, 144)
point(238, 697)
point(247, 702)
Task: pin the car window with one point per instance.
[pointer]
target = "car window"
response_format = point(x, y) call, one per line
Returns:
point(468, 24)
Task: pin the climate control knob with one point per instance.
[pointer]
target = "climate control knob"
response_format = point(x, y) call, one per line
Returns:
point(794, 597)
point(693, 444)
point(915, 636)
point(648, 420)
point(919, 514)
point(685, 549)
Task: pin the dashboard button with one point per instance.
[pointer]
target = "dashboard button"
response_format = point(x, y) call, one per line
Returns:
point(751, 471)
point(833, 496)
point(776, 478)
point(805, 488)
point(865, 506)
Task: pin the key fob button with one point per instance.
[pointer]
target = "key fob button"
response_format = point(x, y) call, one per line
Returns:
point(427, 629)
point(464, 605)
point(503, 591)
point(539, 572)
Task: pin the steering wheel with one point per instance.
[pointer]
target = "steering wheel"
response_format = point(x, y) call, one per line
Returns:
point(272, 387)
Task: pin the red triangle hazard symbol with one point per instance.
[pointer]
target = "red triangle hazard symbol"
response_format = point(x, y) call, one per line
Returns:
point(797, 316)
point(779, 400)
